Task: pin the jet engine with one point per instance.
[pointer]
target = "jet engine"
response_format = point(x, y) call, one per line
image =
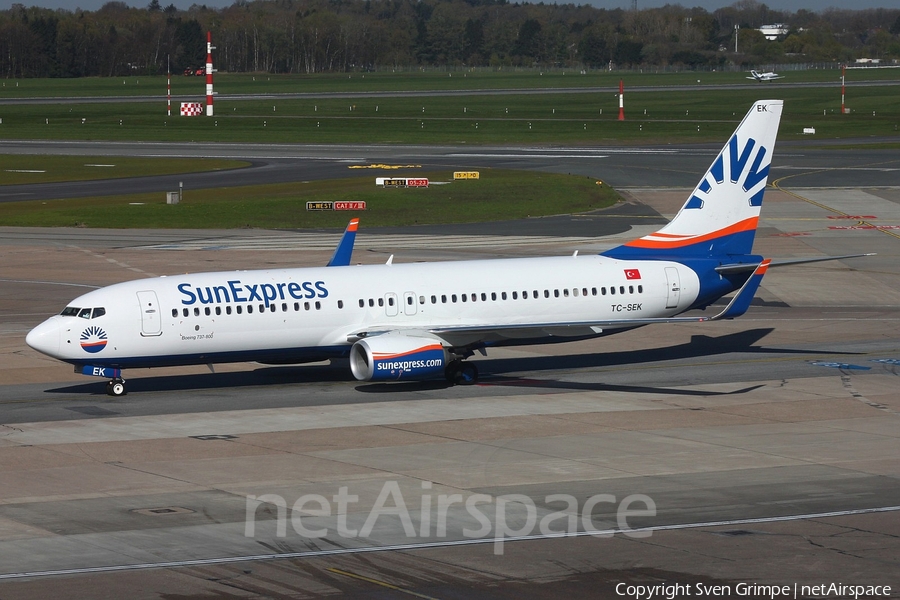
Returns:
point(390, 357)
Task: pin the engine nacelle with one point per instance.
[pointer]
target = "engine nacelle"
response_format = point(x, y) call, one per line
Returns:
point(396, 356)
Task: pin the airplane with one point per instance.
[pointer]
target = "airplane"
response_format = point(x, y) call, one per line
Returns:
point(423, 320)
point(768, 76)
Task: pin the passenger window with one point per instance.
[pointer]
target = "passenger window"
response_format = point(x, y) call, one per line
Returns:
point(249, 309)
point(371, 303)
point(196, 311)
point(262, 308)
point(206, 310)
point(390, 301)
point(306, 306)
point(98, 312)
point(515, 295)
point(434, 299)
point(524, 294)
point(494, 296)
point(483, 297)
point(556, 293)
point(474, 297)
point(534, 294)
point(621, 289)
point(284, 307)
point(640, 289)
point(318, 305)
point(566, 292)
point(85, 313)
point(612, 291)
point(381, 302)
point(603, 291)
point(174, 312)
point(453, 298)
point(443, 299)
point(464, 298)
point(227, 310)
point(362, 303)
point(272, 308)
point(584, 291)
point(593, 291)
point(409, 300)
point(297, 305)
point(503, 295)
point(218, 310)
point(630, 289)
point(546, 293)
point(575, 292)
point(239, 309)
point(340, 304)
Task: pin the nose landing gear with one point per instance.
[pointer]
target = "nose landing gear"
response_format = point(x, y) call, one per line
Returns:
point(116, 388)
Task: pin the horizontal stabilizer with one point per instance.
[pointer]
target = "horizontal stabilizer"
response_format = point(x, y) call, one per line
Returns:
point(344, 250)
point(742, 267)
point(741, 301)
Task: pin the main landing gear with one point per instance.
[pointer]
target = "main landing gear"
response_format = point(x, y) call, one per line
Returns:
point(116, 388)
point(460, 372)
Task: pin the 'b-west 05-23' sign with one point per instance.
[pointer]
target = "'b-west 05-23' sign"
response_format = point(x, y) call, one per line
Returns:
point(401, 182)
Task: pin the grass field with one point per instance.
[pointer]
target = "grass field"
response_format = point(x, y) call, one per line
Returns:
point(499, 194)
point(707, 114)
point(402, 80)
point(25, 168)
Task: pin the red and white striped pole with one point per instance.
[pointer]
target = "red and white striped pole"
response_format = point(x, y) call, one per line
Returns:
point(621, 100)
point(168, 88)
point(209, 75)
point(843, 72)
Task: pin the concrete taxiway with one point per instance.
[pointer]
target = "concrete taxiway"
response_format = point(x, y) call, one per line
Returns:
point(762, 450)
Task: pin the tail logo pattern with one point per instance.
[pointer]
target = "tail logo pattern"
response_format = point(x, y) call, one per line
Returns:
point(737, 163)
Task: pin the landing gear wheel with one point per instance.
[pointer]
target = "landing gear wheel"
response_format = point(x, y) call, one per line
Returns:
point(452, 372)
point(461, 373)
point(116, 388)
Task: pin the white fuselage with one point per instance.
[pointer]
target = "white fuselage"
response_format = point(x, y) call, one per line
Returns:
point(292, 315)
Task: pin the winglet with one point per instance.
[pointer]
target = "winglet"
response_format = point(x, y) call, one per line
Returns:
point(344, 250)
point(741, 301)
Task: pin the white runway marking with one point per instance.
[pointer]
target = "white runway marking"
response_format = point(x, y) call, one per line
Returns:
point(425, 545)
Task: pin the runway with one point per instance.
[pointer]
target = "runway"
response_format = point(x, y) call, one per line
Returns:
point(797, 165)
point(766, 446)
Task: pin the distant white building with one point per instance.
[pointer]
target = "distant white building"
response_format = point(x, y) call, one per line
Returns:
point(774, 31)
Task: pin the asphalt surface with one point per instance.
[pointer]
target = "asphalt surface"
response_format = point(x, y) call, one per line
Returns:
point(793, 166)
point(787, 413)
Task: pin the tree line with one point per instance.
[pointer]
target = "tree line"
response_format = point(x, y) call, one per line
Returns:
point(313, 36)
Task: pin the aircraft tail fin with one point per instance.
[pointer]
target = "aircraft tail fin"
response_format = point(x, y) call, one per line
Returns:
point(720, 216)
point(344, 250)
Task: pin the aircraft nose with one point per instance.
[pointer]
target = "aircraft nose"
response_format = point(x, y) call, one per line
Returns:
point(45, 337)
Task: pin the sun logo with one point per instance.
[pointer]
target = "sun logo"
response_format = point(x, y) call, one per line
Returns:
point(93, 339)
point(738, 161)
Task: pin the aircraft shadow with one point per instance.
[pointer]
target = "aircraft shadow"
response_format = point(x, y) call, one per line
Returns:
point(493, 370)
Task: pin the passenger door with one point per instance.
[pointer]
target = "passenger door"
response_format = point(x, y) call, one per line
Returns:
point(151, 321)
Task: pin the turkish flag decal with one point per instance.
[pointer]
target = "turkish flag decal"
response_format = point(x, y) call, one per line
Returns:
point(632, 274)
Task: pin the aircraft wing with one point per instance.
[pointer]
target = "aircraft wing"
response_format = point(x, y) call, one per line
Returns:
point(462, 335)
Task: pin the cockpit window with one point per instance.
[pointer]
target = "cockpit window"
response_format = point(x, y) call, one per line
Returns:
point(85, 313)
point(98, 312)
point(70, 311)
